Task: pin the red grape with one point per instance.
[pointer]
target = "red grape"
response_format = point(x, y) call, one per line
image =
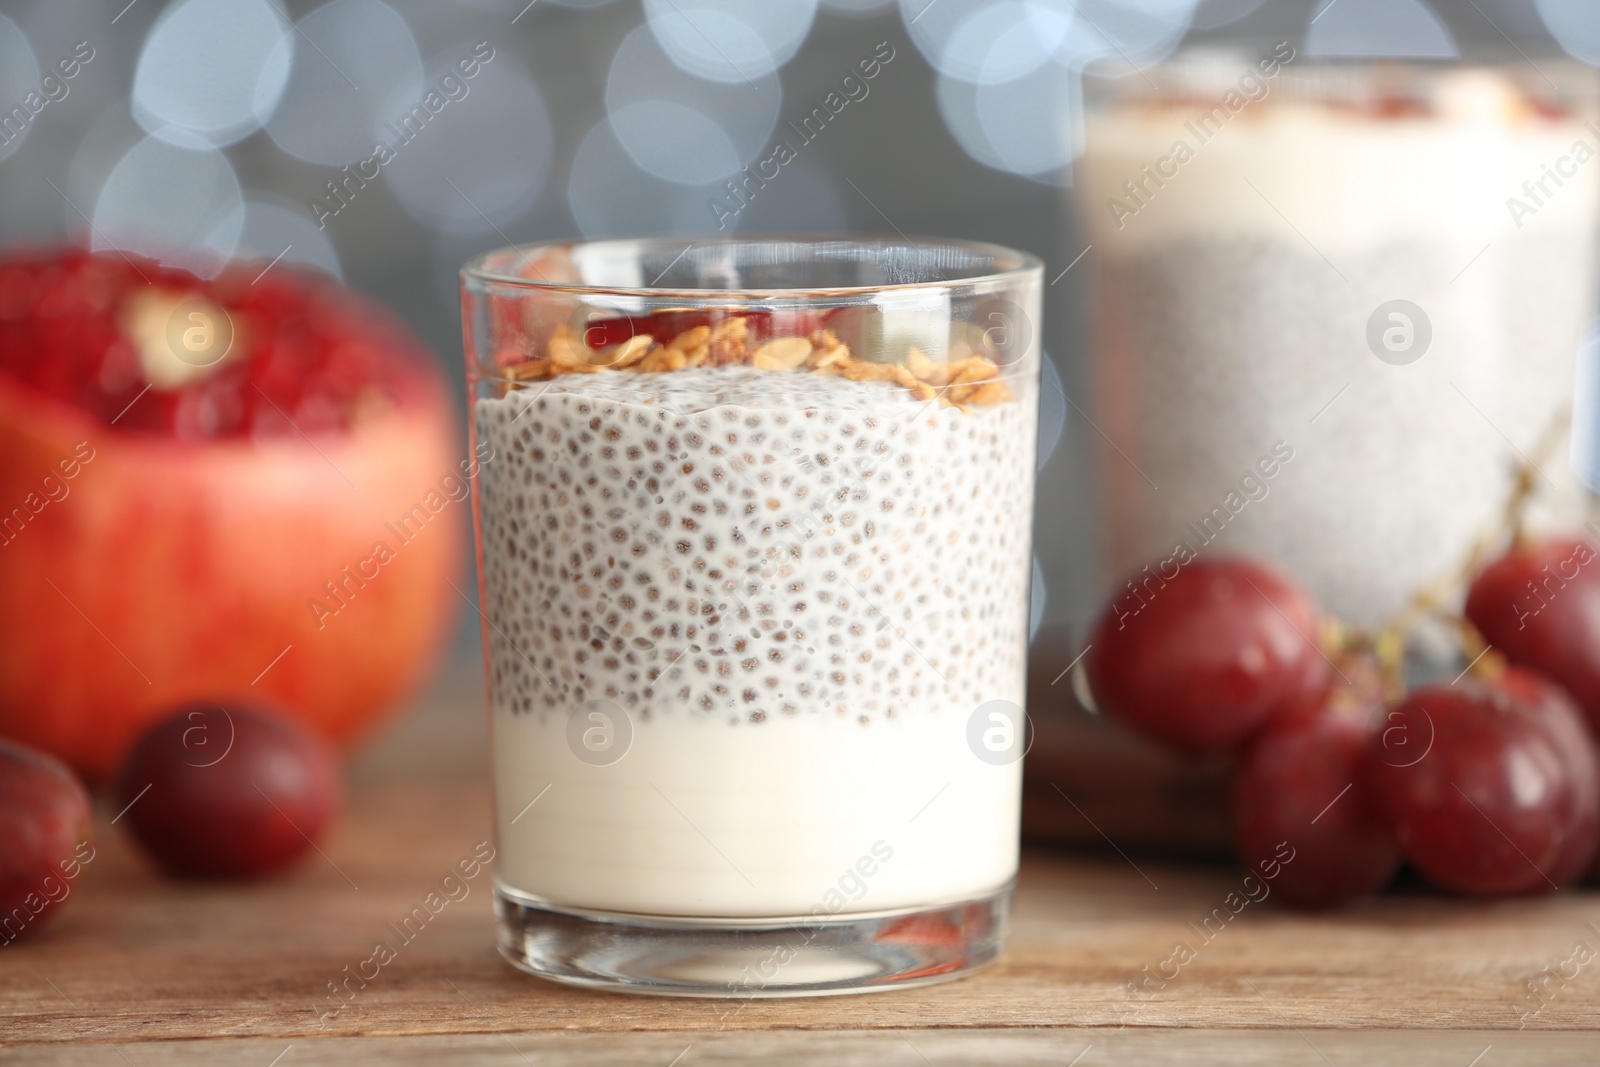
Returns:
point(1492, 786)
point(1203, 658)
point(1303, 782)
point(1556, 710)
point(44, 837)
point(1540, 605)
point(227, 792)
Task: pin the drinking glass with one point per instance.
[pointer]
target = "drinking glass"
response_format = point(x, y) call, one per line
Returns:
point(753, 536)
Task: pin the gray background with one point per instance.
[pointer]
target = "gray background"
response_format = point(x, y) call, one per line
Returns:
point(889, 161)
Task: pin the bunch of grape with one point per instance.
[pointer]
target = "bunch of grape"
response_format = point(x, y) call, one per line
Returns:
point(1488, 784)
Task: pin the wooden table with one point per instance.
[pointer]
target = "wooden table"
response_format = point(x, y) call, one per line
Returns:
point(143, 971)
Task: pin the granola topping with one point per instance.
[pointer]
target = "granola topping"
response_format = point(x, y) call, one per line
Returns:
point(972, 380)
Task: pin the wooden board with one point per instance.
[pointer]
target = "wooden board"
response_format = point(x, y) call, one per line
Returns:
point(896, 1048)
point(140, 970)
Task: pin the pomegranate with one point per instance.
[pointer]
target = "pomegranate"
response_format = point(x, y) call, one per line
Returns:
point(236, 488)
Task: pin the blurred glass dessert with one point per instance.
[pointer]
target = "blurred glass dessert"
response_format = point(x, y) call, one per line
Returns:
point(1335, 307)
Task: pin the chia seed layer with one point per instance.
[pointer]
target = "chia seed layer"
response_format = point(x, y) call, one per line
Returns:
point(743, 544)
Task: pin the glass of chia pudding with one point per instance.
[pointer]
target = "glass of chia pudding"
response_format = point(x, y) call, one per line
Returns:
point(753, 536)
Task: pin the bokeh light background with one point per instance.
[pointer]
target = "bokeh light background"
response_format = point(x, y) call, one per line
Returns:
point(203, 129)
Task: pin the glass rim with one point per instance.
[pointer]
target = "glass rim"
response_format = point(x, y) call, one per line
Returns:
point(1010, 265)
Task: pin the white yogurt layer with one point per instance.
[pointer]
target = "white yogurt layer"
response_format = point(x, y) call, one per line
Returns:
point(790, 593)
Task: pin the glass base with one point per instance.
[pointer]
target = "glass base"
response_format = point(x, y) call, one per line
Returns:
point(748, 958)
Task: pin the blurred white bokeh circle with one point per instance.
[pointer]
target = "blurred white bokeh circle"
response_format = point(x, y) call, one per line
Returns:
point(730, 40)
point(1031, 126)
point(214, 69)
point(516, 9)
point(1116, 38)
point(483, 159)
point(1034, 123)
point(353, 58)
point(958, 106)
point(675, 142)
point(108, 139)
point(933, 25)
point(991, 40)
point(1575, 24)
point(666, 140)
point(180, 206)
point(1584, 448)
point(1005, 41)
point(274, 231)
point(610, 196)
point(1038, 595)
point(1052, 409)
point(19, 76)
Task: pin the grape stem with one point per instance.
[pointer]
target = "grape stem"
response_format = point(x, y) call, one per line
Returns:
point(1388, 644)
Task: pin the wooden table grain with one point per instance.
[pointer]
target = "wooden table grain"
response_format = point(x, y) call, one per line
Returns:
point(140, 970)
